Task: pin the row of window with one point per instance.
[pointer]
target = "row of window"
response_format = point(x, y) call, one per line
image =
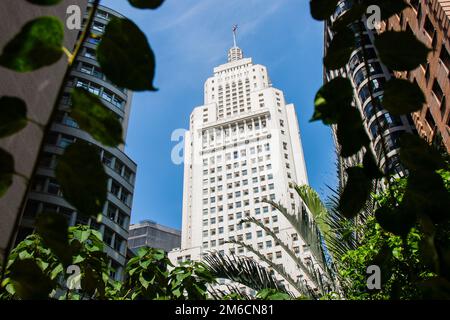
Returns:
point(235, 129)
point(63, 141)
point(237, 155)
point(51, 186)
point(33, 208)
point(231, 206)
point(64, 118)
point(237, 173)
point(100, 91)
point(261, 179)
point(237, 194)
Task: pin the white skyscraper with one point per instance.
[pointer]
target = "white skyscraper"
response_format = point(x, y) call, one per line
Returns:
point(243, 146)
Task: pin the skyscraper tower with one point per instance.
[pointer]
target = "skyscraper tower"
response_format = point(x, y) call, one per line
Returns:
point(45, 194)
point(378, 122)
point(243, 146)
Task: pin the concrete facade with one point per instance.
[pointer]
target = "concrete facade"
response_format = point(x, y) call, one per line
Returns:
point(45, 195)
point(150, 234)
point(377, 121)
point(39, 90)
point(430, 22)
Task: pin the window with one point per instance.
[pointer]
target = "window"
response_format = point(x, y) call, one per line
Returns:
point(108, 236)
point(115, 189)
point(98, 26)
point(65, 141)
point(445, 57)
point(122, 220)
point(428, 26)
point(111, 212)
point(430, 120)
point(89, 53)
point(437, 90)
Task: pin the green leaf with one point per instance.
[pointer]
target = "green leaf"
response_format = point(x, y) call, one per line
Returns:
point(37, 45)
point(143, 281)
point(322, 9)
point(332, 100)
point(13, 115)
point(82, 178)
point(52, 227)
point(428, 253)
point(417, 154)
point(125, 56)
point(95, 118)
point(44, 2)
point(398, 221)
point(350, 133)
point(146, 4)
point(426, 194)
point(29, 282)
point(272, 294)
point(370, 166)
point(78, 259)
point(401, 50)
point(6, 171)
point(339, 51)
point(159, 255)
point(356, 192)
point(57, 271)
point(437, 288)
point(383, 259)
point(402, 97)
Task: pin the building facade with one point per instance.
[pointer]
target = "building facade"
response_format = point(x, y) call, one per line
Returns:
point(45, 194)
point(243, 146)
point(150, 234)
point(377, 121)
point(429, 20)
point(39, 90)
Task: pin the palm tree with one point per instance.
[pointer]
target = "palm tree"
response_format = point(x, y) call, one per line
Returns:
point(311, 227)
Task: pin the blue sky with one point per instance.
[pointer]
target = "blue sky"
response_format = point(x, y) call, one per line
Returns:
point(190, 38)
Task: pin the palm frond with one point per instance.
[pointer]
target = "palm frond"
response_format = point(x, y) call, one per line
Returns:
point(240, 269)
point(302, 288)
point(232, 292)
point(308, 270)
point(315, 206)
point(305, 228)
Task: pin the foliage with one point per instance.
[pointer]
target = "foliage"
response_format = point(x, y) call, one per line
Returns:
point(319, 279)
point(126, 57)
point(34, 270)
point(82, 177)
point(146, 4)
point(151, 276)
point(13, 111)
point(6, 171)
point(414, 264)
point(421, 213)
point(243, 270)
point(37, 45)
point(79, 171)
point(95, 118)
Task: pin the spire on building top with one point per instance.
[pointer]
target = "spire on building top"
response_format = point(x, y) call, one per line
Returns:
point(235, 27)
point(235, 53)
